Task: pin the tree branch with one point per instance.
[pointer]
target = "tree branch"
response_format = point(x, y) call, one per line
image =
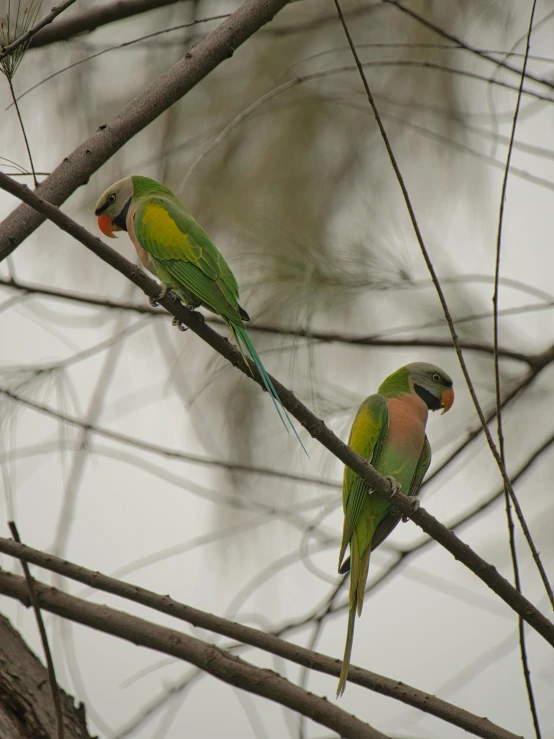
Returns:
point(92, 18)
point(464, 45)
point(315, 427)
point(76, 169)
point(56, 700)
point(222, 665)
point(325, 337)
point(267, 642)
point(25, 704)
point(168, 452)
point(499, 419)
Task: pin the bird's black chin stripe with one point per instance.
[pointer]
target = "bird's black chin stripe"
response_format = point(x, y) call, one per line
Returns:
point(121, 219)
point(430, 400)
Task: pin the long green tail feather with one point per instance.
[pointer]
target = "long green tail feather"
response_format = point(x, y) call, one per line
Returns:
point(358, 577)
point(347, 652)
point(243, 339)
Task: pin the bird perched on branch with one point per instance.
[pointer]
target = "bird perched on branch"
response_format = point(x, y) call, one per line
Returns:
point(178, 251)
point(388, 431)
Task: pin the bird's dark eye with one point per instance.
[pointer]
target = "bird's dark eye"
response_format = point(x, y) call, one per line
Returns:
point(436, 377)
point(111, 198)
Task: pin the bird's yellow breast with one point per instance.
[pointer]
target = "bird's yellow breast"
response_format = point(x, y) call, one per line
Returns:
point(157, 224)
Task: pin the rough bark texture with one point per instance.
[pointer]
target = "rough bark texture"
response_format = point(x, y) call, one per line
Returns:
point(26, 708)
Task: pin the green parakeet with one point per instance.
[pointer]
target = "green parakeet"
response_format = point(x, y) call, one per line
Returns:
point(388, 431)
point(178, 251)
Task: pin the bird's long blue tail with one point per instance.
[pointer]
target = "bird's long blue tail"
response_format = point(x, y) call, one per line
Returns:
point(244, 342)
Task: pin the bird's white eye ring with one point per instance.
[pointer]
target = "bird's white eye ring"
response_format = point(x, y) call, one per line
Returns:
point(111, 198)
point(436, 377)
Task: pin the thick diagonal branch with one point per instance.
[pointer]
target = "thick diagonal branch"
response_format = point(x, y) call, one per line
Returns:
point(315, 426)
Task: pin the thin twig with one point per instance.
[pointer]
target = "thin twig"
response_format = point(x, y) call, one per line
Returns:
point(43, 637)
point(166, 451)
point(496, 289)
point(10, 83)
point(74, 478)
point(123, 45)
point(98, 16)
point(31, 32)
point(444, 306)
point(314, 335)
point(301, 79)
point(501, 444)
point(93, 17)
point(29, 174)
point(464, 45)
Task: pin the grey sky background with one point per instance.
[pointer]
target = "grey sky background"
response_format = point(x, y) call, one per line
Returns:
point(300, 198)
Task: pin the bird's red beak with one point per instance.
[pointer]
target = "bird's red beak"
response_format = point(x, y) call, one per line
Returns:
point(447, 399)
point(107, 226)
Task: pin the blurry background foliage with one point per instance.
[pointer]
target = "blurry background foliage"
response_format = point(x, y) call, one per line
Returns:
point(280, 160)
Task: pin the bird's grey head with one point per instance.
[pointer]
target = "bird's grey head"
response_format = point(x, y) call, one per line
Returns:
point(113, 205)
point(432, 384)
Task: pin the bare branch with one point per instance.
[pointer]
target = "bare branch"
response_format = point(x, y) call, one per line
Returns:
point(102, 15)
point(500, 430)
point(259, 639)
point(43, 637)
point(207, 657)
point(315, 427)
point(167, 451)
point(90, 19)
point(327, 337)
point(123, 45)
point(23, 131)
point(464, 45)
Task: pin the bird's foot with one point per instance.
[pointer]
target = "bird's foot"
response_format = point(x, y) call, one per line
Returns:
point(154, 302)
point(180, 326)
point(396, 487)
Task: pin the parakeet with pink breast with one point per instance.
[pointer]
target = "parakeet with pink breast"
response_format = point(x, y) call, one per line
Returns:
point(388, 431)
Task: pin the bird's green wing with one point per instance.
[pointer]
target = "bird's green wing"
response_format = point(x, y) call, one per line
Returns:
point(366, 438)
point(385, 526)
point(421, 470)
point(165, 229)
